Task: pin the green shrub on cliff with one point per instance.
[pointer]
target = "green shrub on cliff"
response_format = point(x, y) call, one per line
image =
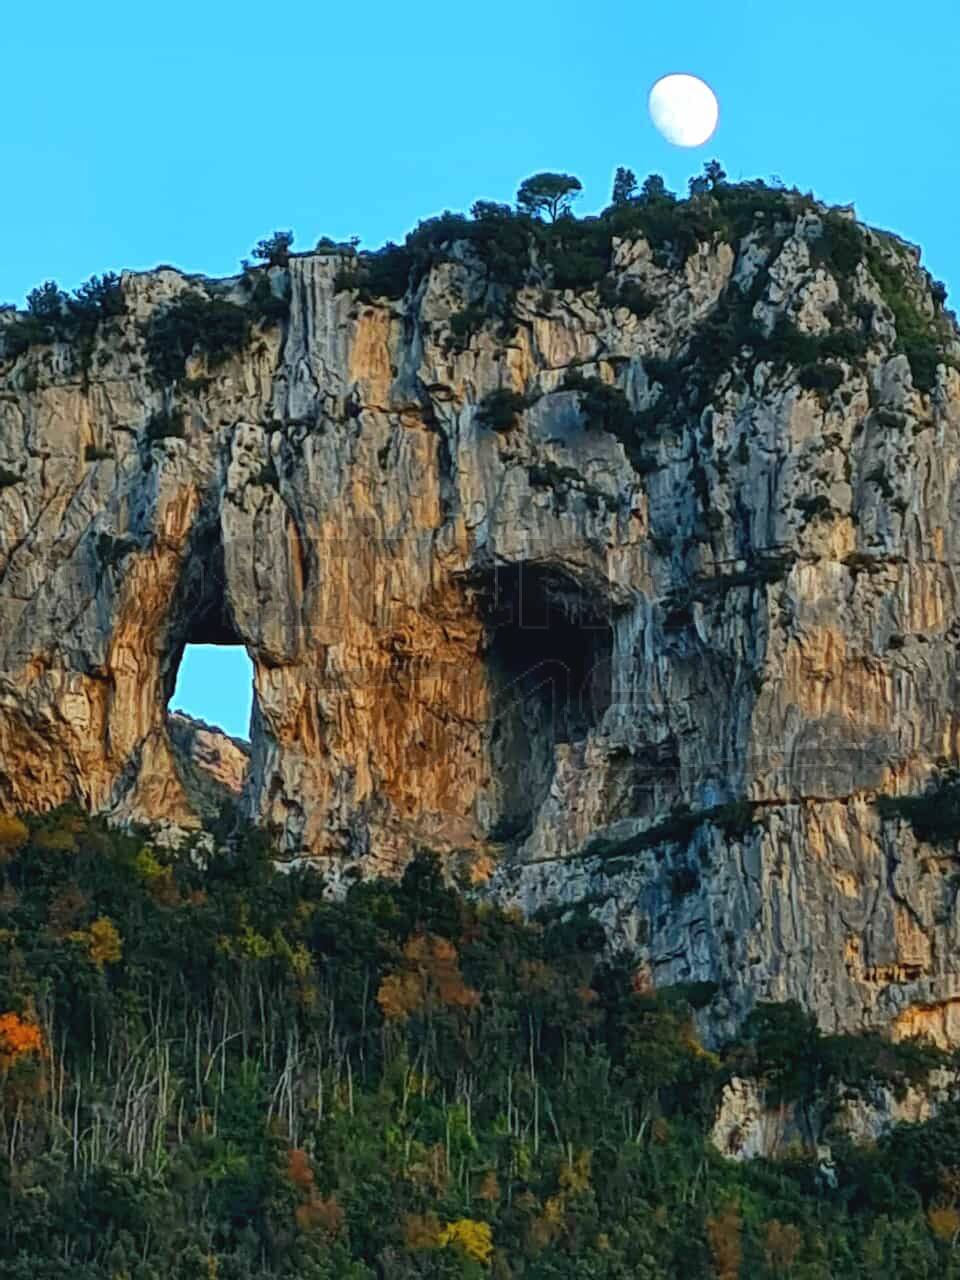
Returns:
point(190, 325)
point(934, 815)
point(55, 316)
point(500, 409)
point(383, 274)
point(919, 336)
point(274, 250)
point(163, 425)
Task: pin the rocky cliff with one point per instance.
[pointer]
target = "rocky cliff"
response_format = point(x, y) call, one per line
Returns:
point(654, 631)
point(211, 765)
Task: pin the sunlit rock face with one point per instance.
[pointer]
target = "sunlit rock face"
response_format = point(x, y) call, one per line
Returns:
point(666, 668)
point(748, 1124)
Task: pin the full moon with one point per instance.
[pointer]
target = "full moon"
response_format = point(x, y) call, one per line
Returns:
point(684, 109)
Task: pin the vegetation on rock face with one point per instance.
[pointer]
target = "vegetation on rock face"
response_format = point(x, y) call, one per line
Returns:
point(384, 274)
point(935, 815)
point(606, 408)
point(55, 316)
point(516, 248)
point(797, 1063)
point(500, 409)
point(194, 323)
point(264, 306)
point(163, 425)
point(275, 249)
point(919, 337)
point(216, 1071)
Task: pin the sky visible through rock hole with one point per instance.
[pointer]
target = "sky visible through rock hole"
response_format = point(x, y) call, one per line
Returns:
point(215, 684)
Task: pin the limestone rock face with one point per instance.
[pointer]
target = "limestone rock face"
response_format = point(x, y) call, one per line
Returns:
point(212, 766)
point(748, 1124)
point(666, 668)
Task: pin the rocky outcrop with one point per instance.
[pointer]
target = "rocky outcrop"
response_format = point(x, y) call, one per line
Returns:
point(211, 765)
point(749, 1125)
point(660, 651)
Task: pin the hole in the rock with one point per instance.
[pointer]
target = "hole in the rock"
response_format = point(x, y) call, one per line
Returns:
point(208, 672)
point(549, 657)
point(215, 684)
point(208, 683)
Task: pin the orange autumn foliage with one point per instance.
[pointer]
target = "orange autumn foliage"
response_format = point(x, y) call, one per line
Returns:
point(18, 1038)
point(428, 979)
point(324, 1215)
point(782, 1243)
point(422, 1231)
point(724, 1234)
point(315, 1212)
point(298, 1169)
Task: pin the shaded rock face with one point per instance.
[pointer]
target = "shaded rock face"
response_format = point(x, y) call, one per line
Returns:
point(211, 765)
point(667, 671)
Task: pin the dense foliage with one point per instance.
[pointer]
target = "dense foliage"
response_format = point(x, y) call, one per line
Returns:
point(191, 324)
point(215, 327)
point(194, 323)
point(55, 316)
point(274, 250)
point(208, 1069)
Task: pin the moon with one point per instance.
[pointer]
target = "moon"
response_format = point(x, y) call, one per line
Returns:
point(684, 109)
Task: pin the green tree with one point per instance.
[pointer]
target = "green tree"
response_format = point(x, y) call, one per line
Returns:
point(275, 249)
point(624, 186)
point(785, 1041)
point(715, 174)
point(550, 193)
point(489, 211)
point(47, 301)
point(97, 298)
point(654, 188)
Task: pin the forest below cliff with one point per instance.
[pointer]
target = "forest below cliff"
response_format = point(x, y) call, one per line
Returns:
point(210, 1069)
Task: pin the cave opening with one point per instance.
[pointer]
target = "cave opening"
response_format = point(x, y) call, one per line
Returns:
point(209, 673)
point(549, 657)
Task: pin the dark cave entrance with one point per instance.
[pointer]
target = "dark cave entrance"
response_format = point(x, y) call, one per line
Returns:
point(550, 644)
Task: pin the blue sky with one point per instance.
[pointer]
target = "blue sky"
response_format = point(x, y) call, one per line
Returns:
point(141, 134)
point(144, 134)
point(215, 683)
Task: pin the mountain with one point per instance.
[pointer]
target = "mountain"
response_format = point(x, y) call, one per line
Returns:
point(611, 560)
